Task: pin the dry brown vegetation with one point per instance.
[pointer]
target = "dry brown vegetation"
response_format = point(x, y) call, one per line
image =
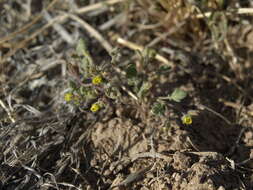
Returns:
point(202, 47)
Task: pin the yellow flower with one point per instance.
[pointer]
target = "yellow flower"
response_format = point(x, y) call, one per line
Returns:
point(68, 97)
point(97, 80)
point(95, 107)
point(187, 119)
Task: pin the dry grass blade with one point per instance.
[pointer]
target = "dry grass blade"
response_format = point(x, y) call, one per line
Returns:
point(60, 29)
point(240, 11)
point(57, 20)
point(7, 111)
point(27, 26)
point(134, 46)
point(201, 107)
point(93, 32)
point(133, 177)
point(32, 36)
point(97, 6)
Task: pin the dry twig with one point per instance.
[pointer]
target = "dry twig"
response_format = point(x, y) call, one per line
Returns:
point(134, 46)
point(27, 26)
point(97, 6)
point(7, 111)
point(92, 32)
point(57, 19)
point(240, 11)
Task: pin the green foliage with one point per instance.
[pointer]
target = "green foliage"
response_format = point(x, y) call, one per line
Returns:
point(110, 82)
point(131, 71)
point(73, 85)
point(163, 69)
point(177, 95)
point(112, 93)
point(145, 87)
point(146, 56)
point(87, 65)
point(218, 26)
point(158, 108)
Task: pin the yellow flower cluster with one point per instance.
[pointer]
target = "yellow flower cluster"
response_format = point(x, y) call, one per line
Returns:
point(95, 107)
point(187, 119)
point(97, 80)
point(68, 97)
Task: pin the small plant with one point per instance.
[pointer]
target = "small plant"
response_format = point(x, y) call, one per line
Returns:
point(158, 108)
point(95, 86)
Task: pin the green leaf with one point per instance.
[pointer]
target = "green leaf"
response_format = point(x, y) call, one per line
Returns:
point(178, 95)
point(131, 71)
point(144, 89)
point(86, 59)
point(158, 108)
point(112, 92)
point(81, 47)
point(149, 53)
point(72, 85)
point(164, 69)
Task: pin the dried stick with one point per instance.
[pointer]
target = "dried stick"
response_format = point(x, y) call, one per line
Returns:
point(27, 26)
point(240, 11)
point(78, 11)
point(92, 32)
point(97, 6)
point(201, 106)
point(32, 36)
point(60, 29)
point(134, 46)
point(7, 111)
point(57, 19)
